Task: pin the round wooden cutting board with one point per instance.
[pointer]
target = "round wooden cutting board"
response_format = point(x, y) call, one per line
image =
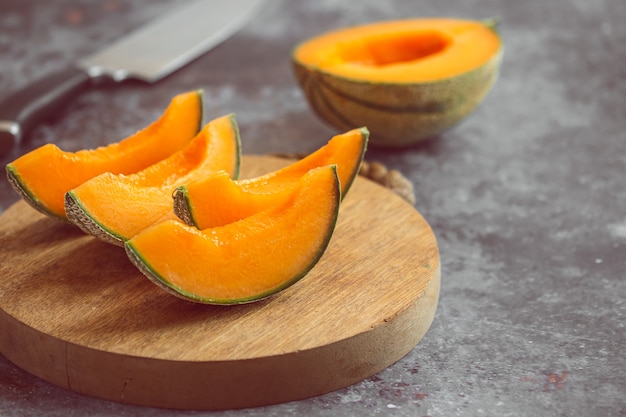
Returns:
point(75, 312)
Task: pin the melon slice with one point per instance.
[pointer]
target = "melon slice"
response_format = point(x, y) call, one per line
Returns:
point(114, 208)
point(201, 203)
point(246, 260)
point(44, 175)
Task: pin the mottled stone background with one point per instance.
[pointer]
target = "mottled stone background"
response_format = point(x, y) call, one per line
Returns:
point(526, 197)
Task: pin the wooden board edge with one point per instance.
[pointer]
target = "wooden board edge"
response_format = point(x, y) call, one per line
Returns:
point(222, 385)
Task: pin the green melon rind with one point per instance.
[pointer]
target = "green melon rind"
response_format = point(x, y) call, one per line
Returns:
point(365, 135)
point(78, 215)
point(26, 194)
point(237, 169)
point(154, 276)
point(391, 123)
point(200, 93)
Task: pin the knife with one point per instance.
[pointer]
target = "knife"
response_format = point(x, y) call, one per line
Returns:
point(147, 54)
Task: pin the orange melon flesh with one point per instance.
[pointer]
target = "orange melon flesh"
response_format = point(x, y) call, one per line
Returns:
point(246, 260)
point(115, 208)
point(402, 51)
point(44, 175)
point(211, 201)
point(225, 200)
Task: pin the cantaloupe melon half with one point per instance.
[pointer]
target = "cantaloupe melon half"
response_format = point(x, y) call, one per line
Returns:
point(202, 202)
point(115, 208)
point(44, 175)
point(407, 80)
point(246, 260)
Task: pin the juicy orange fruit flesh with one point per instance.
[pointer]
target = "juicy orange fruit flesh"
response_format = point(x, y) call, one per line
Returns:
point(47, 173)
point(245, 260)
point(402, 51)
point(225, 200)
point(210, 206)
point(124, 205)
point(394, 48)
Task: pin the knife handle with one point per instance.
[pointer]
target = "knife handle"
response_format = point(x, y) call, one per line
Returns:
point(24, 109)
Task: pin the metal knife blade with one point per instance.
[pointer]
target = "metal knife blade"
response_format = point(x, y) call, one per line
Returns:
point(147, 54)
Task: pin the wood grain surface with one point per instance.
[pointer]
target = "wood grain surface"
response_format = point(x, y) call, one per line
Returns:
point(75, 312)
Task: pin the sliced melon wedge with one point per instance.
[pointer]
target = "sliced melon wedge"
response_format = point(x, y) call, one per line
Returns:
point(201, 203)
point(246, 260)
point(44, 175)
point(114, 208)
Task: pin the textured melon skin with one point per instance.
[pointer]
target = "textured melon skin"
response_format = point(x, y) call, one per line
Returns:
point(184, 248)
point(77, 215)
point(26, 194)
point(397, 114)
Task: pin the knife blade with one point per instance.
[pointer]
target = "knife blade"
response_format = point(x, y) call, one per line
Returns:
point(147, 54)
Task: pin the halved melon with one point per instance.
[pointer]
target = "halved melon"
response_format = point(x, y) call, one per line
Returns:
point(246, 260)
point(202, 203)
point(115, 208)
point(407, 80)
point(44, 175)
